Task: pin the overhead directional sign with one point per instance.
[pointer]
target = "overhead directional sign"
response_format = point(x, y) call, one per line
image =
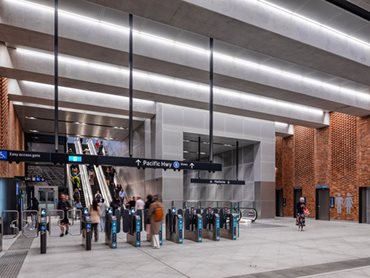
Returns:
point(141, 163)
point(217, 181)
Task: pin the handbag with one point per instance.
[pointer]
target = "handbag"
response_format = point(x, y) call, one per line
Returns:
point(306, 212)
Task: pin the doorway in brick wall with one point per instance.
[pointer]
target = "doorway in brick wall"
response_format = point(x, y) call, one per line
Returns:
point(364, 205)
point(297, 193)
point(322, 203)
point(279, 202)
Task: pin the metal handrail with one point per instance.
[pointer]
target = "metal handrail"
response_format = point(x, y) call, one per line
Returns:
point(14, 224)
point(100, 176)
point(24, 219)
point(57, 213)
point(70, 185)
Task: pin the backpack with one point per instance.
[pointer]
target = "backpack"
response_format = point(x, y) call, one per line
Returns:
point(158, 214)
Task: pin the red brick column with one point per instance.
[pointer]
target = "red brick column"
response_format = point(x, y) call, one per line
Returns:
point(11, 133)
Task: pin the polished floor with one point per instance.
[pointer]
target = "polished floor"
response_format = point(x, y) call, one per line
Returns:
point(269, 248)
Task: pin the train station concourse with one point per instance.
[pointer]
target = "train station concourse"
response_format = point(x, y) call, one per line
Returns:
point(184, 138)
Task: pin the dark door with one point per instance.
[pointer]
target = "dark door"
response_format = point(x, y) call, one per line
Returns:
point(364, 207)
point(296, 195)
point(279, 202)
point(322, 204)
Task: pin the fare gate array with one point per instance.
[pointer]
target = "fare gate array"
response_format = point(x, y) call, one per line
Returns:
point(190, 223)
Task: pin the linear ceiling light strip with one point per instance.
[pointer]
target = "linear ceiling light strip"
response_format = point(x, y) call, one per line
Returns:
point(319, 84)
point(181, 83)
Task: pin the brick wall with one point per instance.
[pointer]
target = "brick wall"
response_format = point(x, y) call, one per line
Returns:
point(338, 156)
point(11, 133)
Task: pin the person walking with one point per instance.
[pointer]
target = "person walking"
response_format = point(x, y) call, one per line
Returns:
point(103, 211)
point(122, 196)
point(95, 219)
point(301, 213)
point(156, 212)
point(64, 205)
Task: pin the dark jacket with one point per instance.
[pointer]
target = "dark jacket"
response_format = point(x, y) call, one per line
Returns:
point(300, 207)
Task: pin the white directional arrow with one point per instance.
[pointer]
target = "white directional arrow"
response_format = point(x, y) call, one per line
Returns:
point(138, 162)
point(191, 165)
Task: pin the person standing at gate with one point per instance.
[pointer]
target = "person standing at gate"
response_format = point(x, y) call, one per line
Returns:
point(149, 201)
point(35, 207)
point(122, 195)
point(156, 212)
point(64, 205)
point(103, 211)
point(95, 218)
point(139, 205)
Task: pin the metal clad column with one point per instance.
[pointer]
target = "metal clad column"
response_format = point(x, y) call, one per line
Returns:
point(211, 100)
point(56, 76)
point(130, 65)
point(237, 160)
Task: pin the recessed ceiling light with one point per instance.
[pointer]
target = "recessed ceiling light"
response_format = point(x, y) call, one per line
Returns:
point(79, 123)
point(33, 130)
point(108, 138)
point(119, 127)
point(186, 152)
point(30, 118)
point(187, 141)
point(206, 143)
point(202, 153)
point(228, 145)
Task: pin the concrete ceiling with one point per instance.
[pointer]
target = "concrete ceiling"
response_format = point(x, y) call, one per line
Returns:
point(220, 145)
point(72, 122)
point(270, 65)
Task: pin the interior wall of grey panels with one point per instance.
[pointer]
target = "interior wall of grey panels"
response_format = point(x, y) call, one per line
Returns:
point(265, 199)
point(132, 179)
point(171, 124)
point(213, 192)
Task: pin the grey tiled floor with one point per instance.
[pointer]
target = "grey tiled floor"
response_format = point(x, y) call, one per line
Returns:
point(262, 249)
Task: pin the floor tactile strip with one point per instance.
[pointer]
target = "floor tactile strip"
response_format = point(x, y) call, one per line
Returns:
point(11, 262)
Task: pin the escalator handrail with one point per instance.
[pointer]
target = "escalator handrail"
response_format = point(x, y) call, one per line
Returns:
point(70, 185)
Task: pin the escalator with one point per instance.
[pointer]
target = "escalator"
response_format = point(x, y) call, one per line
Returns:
point(104, 189)
point(85, 184)
point(72, 149)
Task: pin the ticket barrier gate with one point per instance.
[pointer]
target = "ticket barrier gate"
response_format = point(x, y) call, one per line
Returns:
point(43, 228)
point(229, 224)
point(110, 229)
point(175, 226)
point(35, 224)
point(193, 225)
point(131, 225)
point(211, 224)
point(86, 230)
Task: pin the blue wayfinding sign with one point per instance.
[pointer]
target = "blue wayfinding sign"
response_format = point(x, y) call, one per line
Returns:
point(74, 158)
point(3, 155)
